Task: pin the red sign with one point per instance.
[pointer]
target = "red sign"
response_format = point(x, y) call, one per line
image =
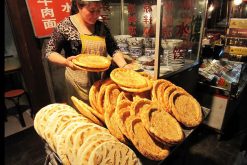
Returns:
point(46, 14)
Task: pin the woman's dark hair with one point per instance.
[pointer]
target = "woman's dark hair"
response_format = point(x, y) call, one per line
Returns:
point(77, 3)
point(74, 8)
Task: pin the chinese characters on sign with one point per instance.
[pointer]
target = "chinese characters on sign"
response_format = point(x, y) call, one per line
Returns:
point(132, 19)
point(180, 27)
point(45, 14)
point(148, 30)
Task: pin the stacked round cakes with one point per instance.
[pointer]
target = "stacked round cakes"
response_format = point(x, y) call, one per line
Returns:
point(134, 109)
point(78, 140)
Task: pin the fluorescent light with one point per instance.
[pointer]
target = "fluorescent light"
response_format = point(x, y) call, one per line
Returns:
point(237, 2)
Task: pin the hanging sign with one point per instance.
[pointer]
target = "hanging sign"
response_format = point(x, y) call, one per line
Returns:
point(46, 14)
point(132, 19)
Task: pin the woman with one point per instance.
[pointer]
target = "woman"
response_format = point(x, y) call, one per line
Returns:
point(82, 32)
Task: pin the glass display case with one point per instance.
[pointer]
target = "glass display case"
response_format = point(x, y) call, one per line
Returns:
point(161, 37)
point(236, 34)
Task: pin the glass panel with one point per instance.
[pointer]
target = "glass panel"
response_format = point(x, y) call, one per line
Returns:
point(137, 34)
point(181, 31)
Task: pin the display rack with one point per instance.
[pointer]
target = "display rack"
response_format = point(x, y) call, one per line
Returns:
point(236, 34)
point(222, 102)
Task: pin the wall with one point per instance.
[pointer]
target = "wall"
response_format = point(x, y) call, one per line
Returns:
point(9, 46)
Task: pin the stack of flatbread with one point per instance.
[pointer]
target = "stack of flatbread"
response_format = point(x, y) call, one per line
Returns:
point(79, 141)
point(149, 118)
point(130, 80)
point(92, 63)
point(176, 101)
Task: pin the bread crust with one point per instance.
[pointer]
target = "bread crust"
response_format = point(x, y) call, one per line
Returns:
point(135, 80)
point(162, 126)
point(92, 61)
point(185, 108)
point(143, 142)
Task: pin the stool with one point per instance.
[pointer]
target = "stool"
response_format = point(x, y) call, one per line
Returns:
point(14, 96)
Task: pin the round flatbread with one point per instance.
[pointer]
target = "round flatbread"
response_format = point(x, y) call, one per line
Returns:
point(185, 108)
point(92, 61)
point(85, 110)
point(143, 142)
point(162, 126)
point(128, 78)
point(138, 105)
point(111, 152)
point(122, 113)
point(93, 94)
point(138, 90)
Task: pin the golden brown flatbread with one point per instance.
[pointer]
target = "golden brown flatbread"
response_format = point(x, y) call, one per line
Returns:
point(112, 92)
point(90, 69)
point(122, 113)
point(138, 90)
point(143, 142)
point(101, 95)
point(156, 84)
point(87, 111)
point(93, 94)
point(138, 105)
point(92, 61)
point(128, 78)
point(124, 96)
point(166, 96)
point(162, 126)
point(185, 108)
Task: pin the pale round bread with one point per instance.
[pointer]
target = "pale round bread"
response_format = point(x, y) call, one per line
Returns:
point(138, 105)
point(71, 141)
point(40, 114)
point(92, 61)
point(111, 152)
point(122, 113)
point(128, 78)
point(68, 121)
point(85, 151)
point(46, 115)
point(56, 119)
point(85, 110)
point(143, 142)
point(60, 139)
point(84, 137)
point(185, 109)
point(162, 126)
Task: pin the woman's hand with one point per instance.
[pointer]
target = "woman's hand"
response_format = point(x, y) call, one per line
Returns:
point(129, 66)
point(70, 64)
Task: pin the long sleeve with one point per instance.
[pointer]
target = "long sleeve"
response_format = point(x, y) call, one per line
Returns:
point(55, 43)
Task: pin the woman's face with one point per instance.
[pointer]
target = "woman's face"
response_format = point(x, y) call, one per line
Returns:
point(91, 12)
